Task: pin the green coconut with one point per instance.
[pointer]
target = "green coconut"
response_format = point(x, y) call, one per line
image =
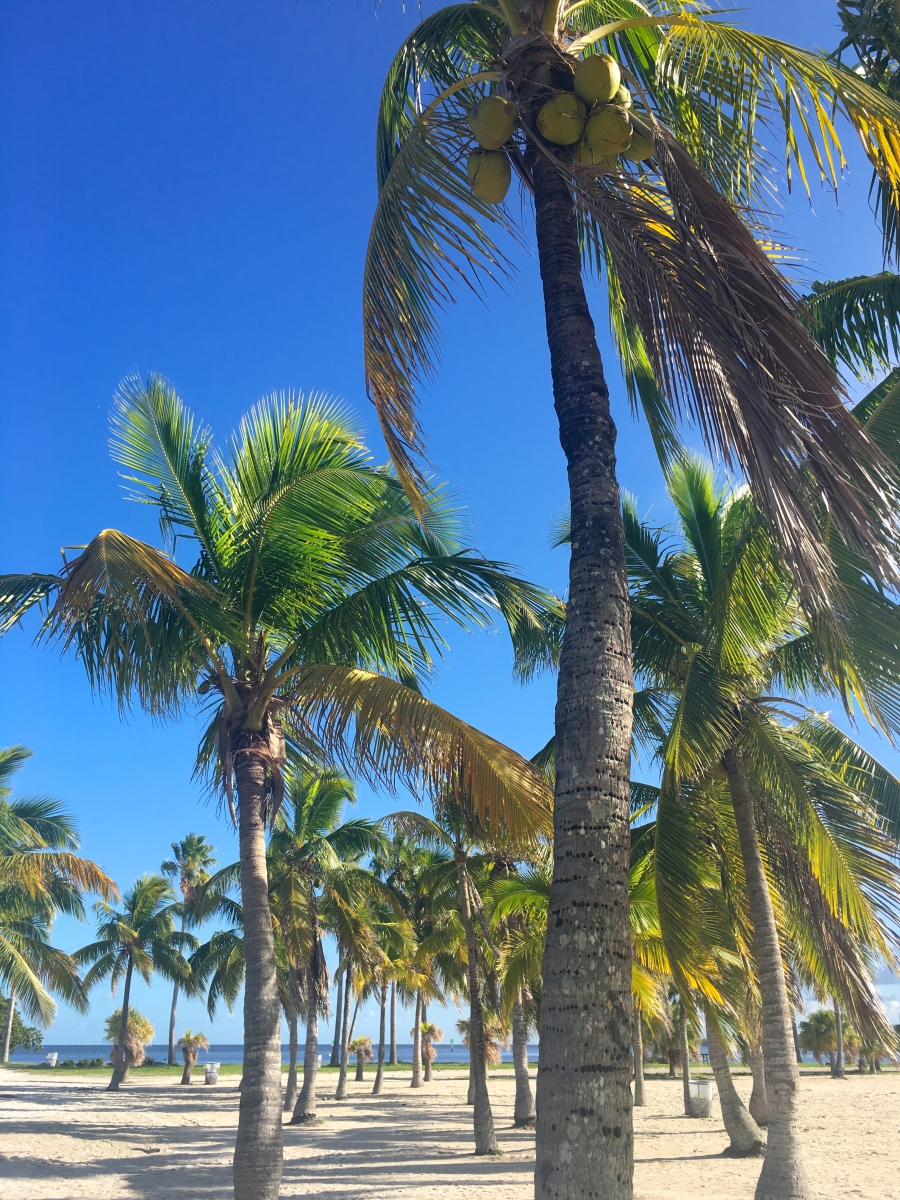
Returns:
point(583, 155)
point(562, 119)
point(609, 130)
point(597, 79)
point(623, 97)
point(490, 175)
point(492, 121)
point(639, 148)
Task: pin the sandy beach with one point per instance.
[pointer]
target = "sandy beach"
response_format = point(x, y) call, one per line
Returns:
point(62, 1139)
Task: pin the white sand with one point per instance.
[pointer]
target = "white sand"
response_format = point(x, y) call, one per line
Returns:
point(66, 1138)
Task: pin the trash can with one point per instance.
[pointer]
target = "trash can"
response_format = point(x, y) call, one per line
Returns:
point(211, 1072)
point(50, 1060)
point(700, 1094)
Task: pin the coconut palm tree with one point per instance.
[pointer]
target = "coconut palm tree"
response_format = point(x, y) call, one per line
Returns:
point(189, 864)
point(703, 322)
point(190, 1045)
point(307, 618)
point(141, 936)
point(362, 1048)
point(431, 1034)
point(138, 1034)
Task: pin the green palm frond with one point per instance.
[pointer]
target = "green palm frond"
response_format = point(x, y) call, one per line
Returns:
point(856, 321)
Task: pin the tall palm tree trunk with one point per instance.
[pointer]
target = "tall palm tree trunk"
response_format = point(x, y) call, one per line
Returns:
point(379, 1074)
point(393, 1058)
point(426, 1061)
point(684, 1053)
point(759, 1104)
point(745, 1135)
point(173, 1058)
point(305, 1108)
point(290, 1092)
point(485, 1137)
point(341, 1093)
point(339, 1018)
point(120, 1070)
point(417, 1044)
point(637, 1042)
point(7, 1029)
point(783, 1176)
point(839, 1072)
point(258, 1149)
point(797, 1049)
point(584, 1118)
point(523, 1109)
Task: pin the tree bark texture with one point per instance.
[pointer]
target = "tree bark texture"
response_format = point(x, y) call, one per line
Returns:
point(290, 1091)
point(797, 1049)
point(7, 1030)
point(417, 1044)
point(485, 1137)
point(360, 1069)
point(523, 1110)
point(120, 1070)
point(684, 1053)
point(341, 1093)
point(338, 1020)
point(783, 1176)
point(393, 1058)
point(379, 1074)
point(186, 1073)
point(839, 1072)
point(585, 1143)
point(637, 1042)
point(745, 1135)
point(305, 1108)
point(172, 1056)
point(758, 1104)
point(258, 1149)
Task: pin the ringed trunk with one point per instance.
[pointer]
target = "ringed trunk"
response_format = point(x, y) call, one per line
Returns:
point(584, 1105)
point(290, 1091)
point(258, 1148)
point(7, 1030)
point(172, 1057)
point(637, 1042)
point(305, 1108)
point(839, 1072)
point(341, 1093)
point(417, 1044)
point(485, 1137)
point(523, 1110)
point(393, 1058)
point(338, 1024)
point(120, 1070)
point(684, 1054)
point(745, 1135)
point(758, 1105)
point(379, 1074)
point(783, 1176)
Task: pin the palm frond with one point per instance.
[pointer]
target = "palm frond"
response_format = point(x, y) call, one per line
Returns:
point(856, 321)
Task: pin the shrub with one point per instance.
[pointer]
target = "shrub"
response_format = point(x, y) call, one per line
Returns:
point(68, 1062)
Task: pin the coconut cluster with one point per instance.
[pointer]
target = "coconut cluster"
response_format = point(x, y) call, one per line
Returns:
point(492, 122)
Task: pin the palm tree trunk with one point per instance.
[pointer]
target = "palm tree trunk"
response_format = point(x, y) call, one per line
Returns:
point(485, 1137)
point(341, 1093)
point(258, 1153)
point(684, 1054)
point(305, 1108)
point(355, 1014)
point(839, 1072)
point(120, 1070)
point(173, 1058)
point(523, 1110)
point(426, 1062)
point(797, 1049)
point(584, 1122)
point(783, 1176)
point(758, 1103)
point(417, 1044)
point(7, 1029)
point(745, 1135)
point(637, 1042)
point(290, 1092)
point(186, 1073)
point(393, 1058)
point(338, 1025)
point(360, 1077)
point(379, 1074)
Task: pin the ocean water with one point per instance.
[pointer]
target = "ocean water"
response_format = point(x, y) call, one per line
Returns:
point(235, 1053)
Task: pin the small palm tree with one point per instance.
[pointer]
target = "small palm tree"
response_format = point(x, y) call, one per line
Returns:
point(189, 865)
point(190, 1045)
point(141, 936)
point(138, 1034)
point(362, 1048)
point(818, 1035)
point(431, 1034)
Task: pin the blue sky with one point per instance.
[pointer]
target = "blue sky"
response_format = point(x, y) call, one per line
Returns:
point(187, 188)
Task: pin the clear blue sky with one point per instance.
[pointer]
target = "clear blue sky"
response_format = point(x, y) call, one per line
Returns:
point(187, 188)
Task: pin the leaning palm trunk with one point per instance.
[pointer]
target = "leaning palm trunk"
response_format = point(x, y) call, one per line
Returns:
point(7, 1031)
point(417, 1044)
point(341, 1092)
point(120, 1070)
point(172, 1058)
point(305, 1108)
point(637, 1042)
point(684, 1055)
point(379, 1074)
point(745, 1136)
point(584, 1118)
point(190, 1057)
point(290, 1091)
point(523, 1111)
point(393, 1058)
point(485, 1137)
point(758, 1104)
point(339, 1017)
point(839, 1072)
point(258, 1149)
point(783, 1176)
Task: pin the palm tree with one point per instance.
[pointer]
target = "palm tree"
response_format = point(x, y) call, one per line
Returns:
point(702, 321)
point(141, 936)
point(362, 1048)
point(308, 618)
point(138, 1034)
point(818, 1035)
point(190, 1045)
point(189, 864)
point(431, 1034)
